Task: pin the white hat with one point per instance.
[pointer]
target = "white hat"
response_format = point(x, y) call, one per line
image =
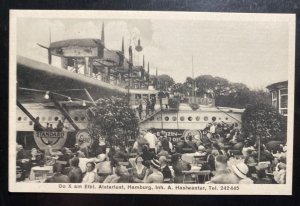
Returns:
point(240, 169)
point(201, 148)
point(155, 163)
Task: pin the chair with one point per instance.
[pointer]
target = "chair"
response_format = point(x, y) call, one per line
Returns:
point(199, 159)
point(205, 175)
point(194, 178)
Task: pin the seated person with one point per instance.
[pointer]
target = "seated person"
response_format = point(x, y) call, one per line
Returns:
point(90, 175)
point(103, 167)
point(36, 159)
point(156, 176)
point(165, 168)
point(121, 176)
point(58, 177)
point(139, 171)
point(147, 156)
point(223, 174)
point(75, 173)
point(121, 155)
point(179, 166)
point(190, 144)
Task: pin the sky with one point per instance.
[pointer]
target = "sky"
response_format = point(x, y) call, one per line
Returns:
point(253, 53)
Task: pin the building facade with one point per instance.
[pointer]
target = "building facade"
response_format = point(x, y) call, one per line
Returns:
point(279, 96)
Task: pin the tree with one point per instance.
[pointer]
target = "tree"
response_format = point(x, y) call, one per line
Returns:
point(264, 122)
point(113, 119)
point(164, 82)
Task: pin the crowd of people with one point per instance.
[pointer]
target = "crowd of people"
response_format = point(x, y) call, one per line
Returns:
point(153, 158)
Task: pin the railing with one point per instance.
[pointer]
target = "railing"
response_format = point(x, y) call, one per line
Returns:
point(201, 100)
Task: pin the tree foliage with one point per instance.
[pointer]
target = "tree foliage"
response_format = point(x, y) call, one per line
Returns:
point(225, 93)
point(262, 120)
point(164, 82)
point(113, 119)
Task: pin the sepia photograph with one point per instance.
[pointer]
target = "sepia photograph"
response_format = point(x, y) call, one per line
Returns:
point(141, 102)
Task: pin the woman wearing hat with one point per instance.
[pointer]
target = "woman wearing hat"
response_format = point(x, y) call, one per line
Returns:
point(139, 171)
point(156, 176)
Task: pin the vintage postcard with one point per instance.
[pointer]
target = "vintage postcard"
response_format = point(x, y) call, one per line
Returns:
point(140, 102)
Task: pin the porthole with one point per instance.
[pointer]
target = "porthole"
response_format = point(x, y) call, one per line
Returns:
point(213, 118)
point(174, 118)
point(167, 118)
point(205, 118)
point(43, 118)
point(56, 118)
point(197, 118)
point(19, 118)
point(226, 118)
point(25, 118)
point(190, 118)
point(50, 118)
point(181, 118)
point(76, 119)
point(30, 122)
point(220, 118)
point(82, 118)
point(158, 118)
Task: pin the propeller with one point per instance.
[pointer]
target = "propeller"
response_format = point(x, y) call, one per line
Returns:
point(49, 52)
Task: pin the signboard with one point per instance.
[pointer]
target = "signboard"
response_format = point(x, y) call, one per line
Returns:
point(176, 134)
point(83, 138)
point(45, 138)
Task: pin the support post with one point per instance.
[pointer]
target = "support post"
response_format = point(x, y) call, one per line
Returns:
point(90, 97)
point(29, 115)
point(64, 112)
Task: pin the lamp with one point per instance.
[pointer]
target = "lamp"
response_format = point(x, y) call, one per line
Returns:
point(46, 95)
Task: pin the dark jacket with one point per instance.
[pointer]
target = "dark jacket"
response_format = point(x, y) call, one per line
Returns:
point(58, 178)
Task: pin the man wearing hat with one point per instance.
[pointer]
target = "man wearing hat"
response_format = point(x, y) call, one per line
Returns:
point(223, 174)
point(241, 170)
point(156, 176)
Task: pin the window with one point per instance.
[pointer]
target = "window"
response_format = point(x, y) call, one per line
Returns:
point(283, 101)
point(19, 118)
point(56, 118)
point(174, 118)
point(151, 118)
point(76, 119)
point(50, 118)
point(181, 118)
point(198, 118)
point(30, 123)
point(82, 118)
point(274, 98)
point(226, 118)
point(205, 118)
point(158, 118)
point(25, 118)
point(167, 118)
point(190, 118)
point(43, 118)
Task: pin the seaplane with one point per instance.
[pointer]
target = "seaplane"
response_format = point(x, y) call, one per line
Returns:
point(50, 95)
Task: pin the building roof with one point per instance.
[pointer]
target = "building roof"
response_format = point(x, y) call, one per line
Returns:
point(76, 42)
point(277, 85)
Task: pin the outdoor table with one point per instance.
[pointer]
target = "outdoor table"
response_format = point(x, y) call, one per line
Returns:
point(40, 173)
point(190, 157)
